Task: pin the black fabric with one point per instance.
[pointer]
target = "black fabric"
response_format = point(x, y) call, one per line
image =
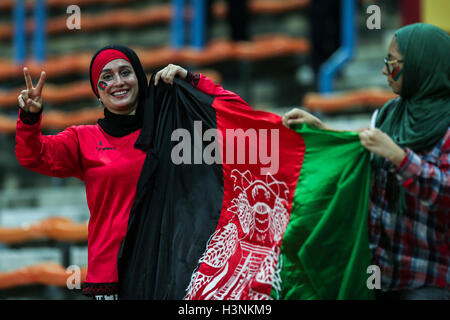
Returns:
point(30, 118)
point(174, 203)
point(121, 127)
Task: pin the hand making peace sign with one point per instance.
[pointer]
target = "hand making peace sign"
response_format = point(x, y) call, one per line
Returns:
point(30, 99)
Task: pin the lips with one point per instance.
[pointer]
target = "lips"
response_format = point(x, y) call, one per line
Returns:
point(120, 93)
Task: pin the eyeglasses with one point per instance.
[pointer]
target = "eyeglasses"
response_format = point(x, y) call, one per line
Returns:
point(389, 64)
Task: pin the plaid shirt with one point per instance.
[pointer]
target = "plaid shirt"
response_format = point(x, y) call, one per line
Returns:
point(412, 250)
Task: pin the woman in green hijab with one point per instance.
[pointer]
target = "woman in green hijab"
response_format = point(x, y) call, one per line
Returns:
point(410, 185)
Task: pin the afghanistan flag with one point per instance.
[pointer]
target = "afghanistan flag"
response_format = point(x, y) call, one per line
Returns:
point(232, 205)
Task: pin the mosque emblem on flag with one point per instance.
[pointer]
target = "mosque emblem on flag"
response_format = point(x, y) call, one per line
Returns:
point(241, 257)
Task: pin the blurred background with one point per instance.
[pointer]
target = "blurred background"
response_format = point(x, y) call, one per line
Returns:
point(322, 55)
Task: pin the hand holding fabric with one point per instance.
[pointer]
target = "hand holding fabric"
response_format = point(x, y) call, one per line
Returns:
point(381, 144)
point(169, 73)
point(297, 116)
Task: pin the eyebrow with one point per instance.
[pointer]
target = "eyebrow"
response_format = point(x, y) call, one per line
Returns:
point(392, 56)
point(120, 67)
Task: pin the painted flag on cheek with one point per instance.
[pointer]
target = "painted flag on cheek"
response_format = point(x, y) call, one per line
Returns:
point(232, 205)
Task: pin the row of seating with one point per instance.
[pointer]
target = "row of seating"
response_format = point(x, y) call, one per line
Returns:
point(262, 47)
point(149, 16)
point(58, 120)
point(46, 273)
point(265, 6)
point(9, 4)
point(54, 228)
point(313, 101)
point(372, 97)
point(75, 91)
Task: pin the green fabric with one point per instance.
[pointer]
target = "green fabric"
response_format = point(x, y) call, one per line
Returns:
point(419, 118)
point(325, 249)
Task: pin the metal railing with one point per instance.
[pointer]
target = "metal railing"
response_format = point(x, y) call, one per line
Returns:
point(348, 34)
point(188, 28)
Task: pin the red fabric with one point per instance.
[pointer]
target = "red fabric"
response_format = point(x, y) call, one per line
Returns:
point(101, 60)
point(247, 270)
point(110, 168)
point(205, 85)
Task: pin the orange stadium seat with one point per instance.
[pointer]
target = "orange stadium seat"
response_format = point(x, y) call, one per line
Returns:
point(56, 228)
point(345, 101)
point(9, 4)
point(47, 273)
point(58, 120)
point(262, 47)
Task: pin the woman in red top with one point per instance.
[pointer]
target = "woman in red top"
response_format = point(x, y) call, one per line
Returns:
point(102, 155)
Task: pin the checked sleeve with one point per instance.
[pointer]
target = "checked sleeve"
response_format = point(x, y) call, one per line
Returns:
point(428, 181)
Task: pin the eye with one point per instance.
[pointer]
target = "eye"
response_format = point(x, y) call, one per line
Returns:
point(107, 77)
point(125, 73)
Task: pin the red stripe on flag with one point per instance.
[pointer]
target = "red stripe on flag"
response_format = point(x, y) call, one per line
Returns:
point(241, 256)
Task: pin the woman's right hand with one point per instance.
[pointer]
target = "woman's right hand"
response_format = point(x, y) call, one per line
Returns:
point(30, 99)
point(300, 116)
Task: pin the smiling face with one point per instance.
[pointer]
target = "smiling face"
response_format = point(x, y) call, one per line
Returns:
point(393, 55)
point(118, 87)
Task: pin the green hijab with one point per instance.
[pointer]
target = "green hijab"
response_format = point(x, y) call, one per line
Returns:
point(419, 118)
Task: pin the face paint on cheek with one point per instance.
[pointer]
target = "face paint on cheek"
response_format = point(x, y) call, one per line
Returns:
point(102, 85)
point(397, 73)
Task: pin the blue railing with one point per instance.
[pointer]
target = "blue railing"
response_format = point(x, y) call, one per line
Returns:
point(177, 23)
point(39, 39)
point(344, 53)
point(20, 37)
point(19, 40)
point(194, 25)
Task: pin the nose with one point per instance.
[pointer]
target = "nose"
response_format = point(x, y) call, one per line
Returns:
point(385, 71)
point(118, 81)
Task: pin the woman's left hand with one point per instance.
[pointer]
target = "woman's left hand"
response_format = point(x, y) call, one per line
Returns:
point(381, 144)
point(169, 73)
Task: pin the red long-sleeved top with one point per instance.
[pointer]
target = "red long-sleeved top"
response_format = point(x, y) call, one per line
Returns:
point(110, 168)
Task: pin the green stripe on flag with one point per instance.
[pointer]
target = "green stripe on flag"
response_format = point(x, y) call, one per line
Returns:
point(325, 249)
